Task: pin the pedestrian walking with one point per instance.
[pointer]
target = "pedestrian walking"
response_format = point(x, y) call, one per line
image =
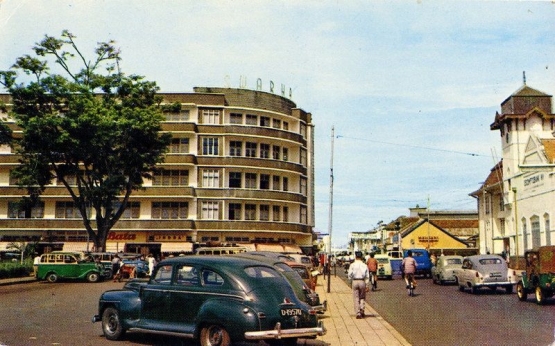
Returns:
point(372, 264)
point(116, 262)
point(151, 263)
point(36, 262)
point(359, 276)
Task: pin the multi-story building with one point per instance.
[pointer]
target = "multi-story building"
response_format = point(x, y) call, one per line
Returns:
point(239, 170)
point(517, 200)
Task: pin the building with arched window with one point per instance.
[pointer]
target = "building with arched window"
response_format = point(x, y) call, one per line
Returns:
point(516, 201)
point(239, 170)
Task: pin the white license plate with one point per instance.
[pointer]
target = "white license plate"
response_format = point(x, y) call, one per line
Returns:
point(291, 312)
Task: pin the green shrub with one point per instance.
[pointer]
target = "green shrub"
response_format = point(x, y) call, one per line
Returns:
point(15, 269)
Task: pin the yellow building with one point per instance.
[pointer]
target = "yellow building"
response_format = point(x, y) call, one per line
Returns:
point(429, 235)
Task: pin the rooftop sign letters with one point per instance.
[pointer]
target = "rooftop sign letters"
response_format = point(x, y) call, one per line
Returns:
point(243, 85)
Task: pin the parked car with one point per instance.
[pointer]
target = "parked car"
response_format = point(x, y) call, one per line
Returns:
point(539, 277)
point(442, 272)
point(217, 300)
point(219, 250)
point(483, 271)
point(68, 265)
point(309, 277)
point(132, 268)
point(280, 256)
point(300, 286)
point(422, 258)
point(300, 258)
point(384, 267)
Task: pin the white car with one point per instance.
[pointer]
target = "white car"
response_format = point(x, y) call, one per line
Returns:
point(442, 272)
point(384, 266)
point(483, 271)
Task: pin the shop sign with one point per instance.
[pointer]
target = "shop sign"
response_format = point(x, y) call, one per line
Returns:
point(121, 236)
point(427, 240)
point(170, 237)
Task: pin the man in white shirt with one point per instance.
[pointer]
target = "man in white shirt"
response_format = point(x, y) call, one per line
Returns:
point(359, 276)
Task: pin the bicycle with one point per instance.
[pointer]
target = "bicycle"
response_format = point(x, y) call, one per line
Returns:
point(411, 284)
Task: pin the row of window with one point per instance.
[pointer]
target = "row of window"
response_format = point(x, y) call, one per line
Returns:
point(211, 178)
point(211, 147)
point(213, 116)
point(210, 210)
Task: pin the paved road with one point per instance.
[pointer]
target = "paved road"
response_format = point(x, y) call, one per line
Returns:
point(441, 315)
point(60, 314)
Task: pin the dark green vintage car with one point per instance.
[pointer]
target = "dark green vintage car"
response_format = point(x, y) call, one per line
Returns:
point(214, 299)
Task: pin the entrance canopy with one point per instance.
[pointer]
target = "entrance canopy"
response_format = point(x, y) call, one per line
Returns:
point(176, 247)
point(76, 246)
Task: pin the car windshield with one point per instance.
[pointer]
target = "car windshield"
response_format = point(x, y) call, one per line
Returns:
point(454, 261)
point(487, 261)
point(382, 260)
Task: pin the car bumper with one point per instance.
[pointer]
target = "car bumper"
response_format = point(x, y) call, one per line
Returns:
point(278, 333)
point(499, 283)
point(321, 308)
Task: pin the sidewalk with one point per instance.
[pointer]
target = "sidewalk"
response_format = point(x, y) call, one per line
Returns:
point(343, 329)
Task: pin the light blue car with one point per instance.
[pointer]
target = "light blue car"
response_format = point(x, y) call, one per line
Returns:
point(442, 272)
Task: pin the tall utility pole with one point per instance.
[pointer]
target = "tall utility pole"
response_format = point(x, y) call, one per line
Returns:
point(330, 217)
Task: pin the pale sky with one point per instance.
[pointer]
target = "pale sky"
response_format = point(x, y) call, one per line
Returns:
point(411, 87)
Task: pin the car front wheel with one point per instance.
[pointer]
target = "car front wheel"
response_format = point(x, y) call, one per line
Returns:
point(93, 277)
point(521, 292)
point(540, 297)
point(214, 335)
point(111, 325)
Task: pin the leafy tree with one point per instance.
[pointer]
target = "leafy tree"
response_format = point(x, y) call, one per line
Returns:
point(89, 126)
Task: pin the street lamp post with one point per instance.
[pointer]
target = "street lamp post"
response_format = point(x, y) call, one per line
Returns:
point(330, 221)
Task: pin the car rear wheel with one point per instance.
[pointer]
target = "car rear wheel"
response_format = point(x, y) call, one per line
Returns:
point(214, 335)
point(52, 277)
point(540, 297)
point(93, 277)
point(474, 289)
point(509, 289)
point(521, 292)
point(461, 288)
point(111, 325)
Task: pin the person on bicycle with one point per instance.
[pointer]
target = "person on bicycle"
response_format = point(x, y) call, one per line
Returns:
point(372, 264)
point(408, 267)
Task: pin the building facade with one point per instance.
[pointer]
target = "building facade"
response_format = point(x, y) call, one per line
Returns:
point(518, 198)
point(239, 170)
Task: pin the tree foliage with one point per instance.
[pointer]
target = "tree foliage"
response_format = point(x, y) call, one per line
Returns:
point(89, 127)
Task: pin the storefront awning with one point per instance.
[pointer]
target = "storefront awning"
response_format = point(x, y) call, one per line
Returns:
point(4, 246)
point(77, 246)
point(176, 247)
point(292, 249)
point(269, 247)
point(248, 246)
